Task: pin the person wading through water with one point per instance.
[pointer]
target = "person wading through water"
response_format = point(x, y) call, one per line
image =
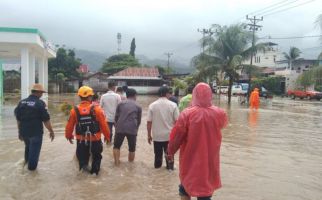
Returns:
point(31, 113)
point(127, 122)
point(88, 121)
point(254, 99)
point(197, 134)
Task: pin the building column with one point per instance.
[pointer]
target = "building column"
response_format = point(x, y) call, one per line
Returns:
point(46, 74)
point(1, 86)
point(43, 75)
point(41, 71)
point(32, 69)
point(25, 90)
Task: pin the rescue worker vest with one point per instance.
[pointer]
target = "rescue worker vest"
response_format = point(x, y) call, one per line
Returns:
point(86, 124)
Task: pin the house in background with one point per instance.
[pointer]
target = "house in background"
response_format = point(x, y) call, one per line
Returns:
point(144, 80)
point(83, 68)
point(292, 73)
point(98, 81)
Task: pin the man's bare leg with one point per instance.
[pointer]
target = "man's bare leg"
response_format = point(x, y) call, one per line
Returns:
point(116, 154)
point(185, 198)
point(131, 156)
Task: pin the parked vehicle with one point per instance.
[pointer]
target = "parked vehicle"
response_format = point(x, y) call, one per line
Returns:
point(299, 93)
point(240, 89)
point(263, 92)
point(222, 89)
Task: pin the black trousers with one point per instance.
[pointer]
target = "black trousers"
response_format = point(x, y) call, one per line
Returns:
point(83, 151)
point(159, 149)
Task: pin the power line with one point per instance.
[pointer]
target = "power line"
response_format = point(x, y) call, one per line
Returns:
point(257, 12)
point(276, 6)
point(312, 48)
point(292, 37)
point(279, 11)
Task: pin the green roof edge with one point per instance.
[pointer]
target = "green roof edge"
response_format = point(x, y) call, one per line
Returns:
point(22, 30)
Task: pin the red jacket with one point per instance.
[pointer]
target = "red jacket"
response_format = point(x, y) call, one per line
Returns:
point(84, 108)
point(198, 135)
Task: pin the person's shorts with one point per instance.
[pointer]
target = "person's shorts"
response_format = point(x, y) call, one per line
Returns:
point(119, 138)
point(182, 192)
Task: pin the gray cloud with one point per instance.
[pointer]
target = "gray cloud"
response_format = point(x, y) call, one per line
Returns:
point(158, 26)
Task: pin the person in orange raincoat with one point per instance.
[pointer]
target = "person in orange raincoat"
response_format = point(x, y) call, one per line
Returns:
point(198, 135)
point(88, 121)
point(254, 99)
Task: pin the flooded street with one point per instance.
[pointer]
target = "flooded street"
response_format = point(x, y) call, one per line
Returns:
point(271, 154)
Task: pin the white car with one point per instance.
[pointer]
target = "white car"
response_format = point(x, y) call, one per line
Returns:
point(222, 89)
point(239, 89)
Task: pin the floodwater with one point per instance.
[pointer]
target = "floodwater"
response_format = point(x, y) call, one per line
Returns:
point(271, 154)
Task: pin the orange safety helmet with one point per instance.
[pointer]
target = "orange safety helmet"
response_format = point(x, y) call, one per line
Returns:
point(85, 91)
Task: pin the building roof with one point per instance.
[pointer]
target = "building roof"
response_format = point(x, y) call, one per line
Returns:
point(137, 72)
point(268, 70)
point(299, 60)
point(13, 39)
point(90, 75)
point(270, 44)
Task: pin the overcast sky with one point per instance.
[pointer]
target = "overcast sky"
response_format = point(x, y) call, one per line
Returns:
point(159, 26)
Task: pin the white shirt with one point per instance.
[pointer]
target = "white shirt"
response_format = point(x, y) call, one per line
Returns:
point(109, 102)
point(163, 114)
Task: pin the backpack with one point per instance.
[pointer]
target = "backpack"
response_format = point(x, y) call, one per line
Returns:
point(86, 124)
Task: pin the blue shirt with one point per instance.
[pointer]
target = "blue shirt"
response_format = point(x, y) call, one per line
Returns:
point(31, 113)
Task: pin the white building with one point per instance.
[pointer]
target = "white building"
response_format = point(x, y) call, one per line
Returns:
point(32, 49)
point(267, 57)
point(292, 73)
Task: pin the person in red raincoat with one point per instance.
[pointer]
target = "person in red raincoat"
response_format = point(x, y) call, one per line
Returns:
point(254, 99)
point(197, 133)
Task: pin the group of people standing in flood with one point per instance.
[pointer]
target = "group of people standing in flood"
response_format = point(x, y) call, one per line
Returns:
point(196, 131)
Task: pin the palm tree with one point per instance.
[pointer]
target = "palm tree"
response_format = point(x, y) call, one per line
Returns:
point(229, 47)
point(293, 54)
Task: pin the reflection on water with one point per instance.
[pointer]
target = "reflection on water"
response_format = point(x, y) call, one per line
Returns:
point(272, 153)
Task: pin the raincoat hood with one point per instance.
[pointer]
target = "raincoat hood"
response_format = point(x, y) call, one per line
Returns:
point(202, 95)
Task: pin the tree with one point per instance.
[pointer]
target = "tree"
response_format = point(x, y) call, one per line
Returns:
point(293, 54)
point(65, 62)
point(229, 47)
point(133, 46)
point(60, 77)
point(119, 62)
point(64, 66)
point(207, 68)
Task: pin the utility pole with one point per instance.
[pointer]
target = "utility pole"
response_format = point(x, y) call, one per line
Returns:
point(253, 26)
point(168, 54)
point(204, 31)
